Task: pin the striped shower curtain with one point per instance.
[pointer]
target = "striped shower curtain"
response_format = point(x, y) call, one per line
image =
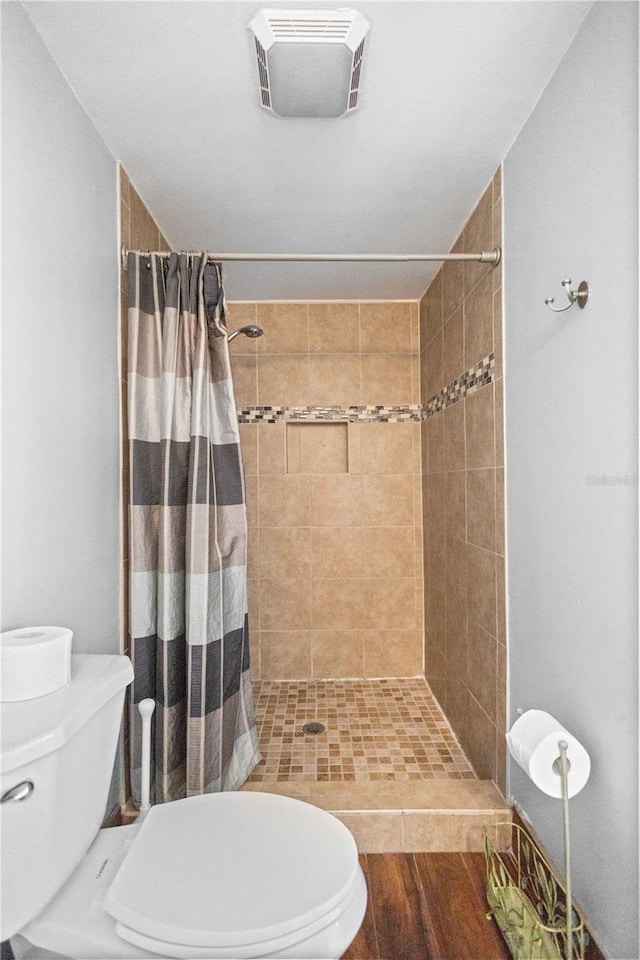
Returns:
point(188, 629)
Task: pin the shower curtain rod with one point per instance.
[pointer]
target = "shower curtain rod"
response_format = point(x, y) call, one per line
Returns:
point(486, 256)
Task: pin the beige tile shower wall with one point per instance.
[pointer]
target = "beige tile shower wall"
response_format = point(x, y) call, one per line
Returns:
point(463, 496)
point(335, 518)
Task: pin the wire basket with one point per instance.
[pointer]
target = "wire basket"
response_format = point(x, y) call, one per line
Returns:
point(529, 904)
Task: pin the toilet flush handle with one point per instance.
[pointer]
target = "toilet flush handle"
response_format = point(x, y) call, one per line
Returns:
point(20, 792)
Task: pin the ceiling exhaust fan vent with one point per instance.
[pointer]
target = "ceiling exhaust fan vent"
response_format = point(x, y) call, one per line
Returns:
point(263, 75)
point(316, 29)
point(309, 61)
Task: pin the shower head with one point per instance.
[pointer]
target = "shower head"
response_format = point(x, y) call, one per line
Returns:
point(251, 330)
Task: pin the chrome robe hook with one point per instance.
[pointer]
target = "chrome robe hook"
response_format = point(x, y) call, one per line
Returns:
point(579, 296)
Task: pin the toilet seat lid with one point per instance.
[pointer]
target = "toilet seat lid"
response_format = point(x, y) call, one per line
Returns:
point(231, 869)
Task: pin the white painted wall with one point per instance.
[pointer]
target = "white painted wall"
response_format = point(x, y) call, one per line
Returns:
point(571, 205)
point(60, 500)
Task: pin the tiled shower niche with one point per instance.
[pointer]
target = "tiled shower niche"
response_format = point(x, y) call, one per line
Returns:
point(317, 448)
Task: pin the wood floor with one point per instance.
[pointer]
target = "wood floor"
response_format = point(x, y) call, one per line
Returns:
point(426, 906)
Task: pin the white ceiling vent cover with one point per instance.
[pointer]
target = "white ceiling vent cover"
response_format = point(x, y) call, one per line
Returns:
point(309, 61)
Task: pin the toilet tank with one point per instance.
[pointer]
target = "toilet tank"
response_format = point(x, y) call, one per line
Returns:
point(63, 744)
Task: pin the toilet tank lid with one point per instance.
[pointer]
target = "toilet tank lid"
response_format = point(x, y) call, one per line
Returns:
point(30, 729)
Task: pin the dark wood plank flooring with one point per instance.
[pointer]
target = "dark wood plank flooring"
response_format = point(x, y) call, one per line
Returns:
point(426, 906)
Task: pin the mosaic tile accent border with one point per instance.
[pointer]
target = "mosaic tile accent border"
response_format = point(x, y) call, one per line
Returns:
point(473, 379)
point(333, 414)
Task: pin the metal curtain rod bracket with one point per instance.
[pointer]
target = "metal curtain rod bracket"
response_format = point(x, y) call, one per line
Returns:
point(486, 256)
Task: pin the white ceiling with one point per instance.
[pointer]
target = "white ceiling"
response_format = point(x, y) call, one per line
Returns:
point(171, 87)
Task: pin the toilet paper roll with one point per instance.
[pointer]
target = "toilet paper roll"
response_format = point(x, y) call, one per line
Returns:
point(533, 744)
point(34, 661)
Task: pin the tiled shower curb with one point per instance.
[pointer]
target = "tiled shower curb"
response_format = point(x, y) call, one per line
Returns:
point(409, 817)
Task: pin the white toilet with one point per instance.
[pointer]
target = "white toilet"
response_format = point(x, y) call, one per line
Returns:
point(228, 875)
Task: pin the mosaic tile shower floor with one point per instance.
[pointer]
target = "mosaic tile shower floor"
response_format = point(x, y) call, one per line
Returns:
point(374, 730)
